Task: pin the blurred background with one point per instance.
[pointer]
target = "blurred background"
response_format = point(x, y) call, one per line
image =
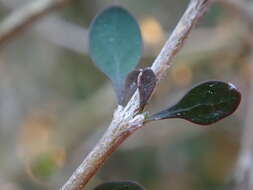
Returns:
point(55, 104)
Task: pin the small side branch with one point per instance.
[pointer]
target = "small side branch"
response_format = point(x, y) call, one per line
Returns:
point(22, 18)
point(127, 120)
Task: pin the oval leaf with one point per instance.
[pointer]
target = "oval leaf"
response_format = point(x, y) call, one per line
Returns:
point(130, 86)
point(121, 185)
point(115, 44)
point(204, 104)
point(146, 85)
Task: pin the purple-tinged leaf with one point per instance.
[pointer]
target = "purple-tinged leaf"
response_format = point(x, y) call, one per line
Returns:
point(146, 84)
point(129, 87)
point(204, 104)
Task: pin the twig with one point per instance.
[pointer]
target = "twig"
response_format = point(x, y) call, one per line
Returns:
point(127, 120)
point(22, 18)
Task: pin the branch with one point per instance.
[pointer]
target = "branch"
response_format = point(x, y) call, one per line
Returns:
point(241, 8)
point(20, 19)
point(127, 120)
point(243, 175)
point(57, 31)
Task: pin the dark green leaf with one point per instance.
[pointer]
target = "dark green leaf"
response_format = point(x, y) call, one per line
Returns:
point(130, 86)
point(146, 85)
point(115, 44)
point(204, 104)
point(121, 185)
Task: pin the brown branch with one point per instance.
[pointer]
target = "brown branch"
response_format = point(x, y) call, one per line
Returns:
point(22, 18)
point(127, 120)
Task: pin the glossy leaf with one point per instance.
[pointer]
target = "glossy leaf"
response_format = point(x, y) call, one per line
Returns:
point(115, 44)
point(146, 85)
point(129, 87)
point(204, 104)
point(121, 185)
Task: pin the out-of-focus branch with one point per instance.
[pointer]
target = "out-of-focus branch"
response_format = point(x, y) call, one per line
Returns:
point(243, 177)
point(127, 120)
point(23, 17)
point(64, 34)
point(241, 8)
point(57, 31)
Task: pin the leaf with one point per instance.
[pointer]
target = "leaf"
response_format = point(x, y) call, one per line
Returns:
point(204, 104)
point(145, 80)
point(115, 44)
point(146, 85)
point(120, 185)
point(130, 86)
